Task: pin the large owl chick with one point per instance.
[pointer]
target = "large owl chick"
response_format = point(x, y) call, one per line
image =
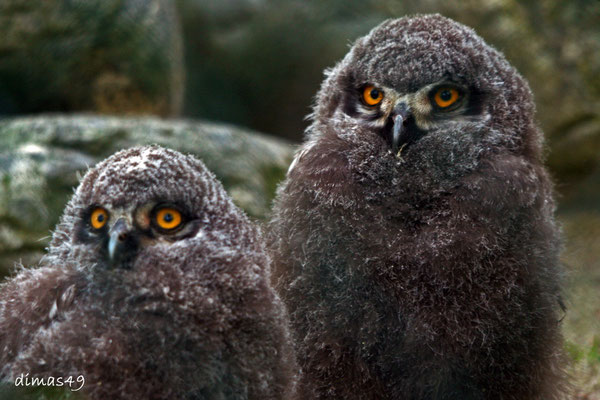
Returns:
point(413, 239)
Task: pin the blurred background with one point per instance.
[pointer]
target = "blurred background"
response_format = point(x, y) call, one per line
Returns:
point(258, 63)
point(254, 66)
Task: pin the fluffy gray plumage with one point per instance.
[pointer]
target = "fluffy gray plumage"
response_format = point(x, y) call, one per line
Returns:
point(414, 241)
point(149, 312)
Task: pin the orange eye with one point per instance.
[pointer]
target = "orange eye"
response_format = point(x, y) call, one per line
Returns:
point(99, 217)
point(444, 97)
point(168, 218)
point(372, 96)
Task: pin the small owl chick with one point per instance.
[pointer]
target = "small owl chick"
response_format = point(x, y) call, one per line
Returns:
point(413, 240)
point(155, 286)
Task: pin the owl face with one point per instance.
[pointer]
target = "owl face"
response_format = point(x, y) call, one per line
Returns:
point(402, 118)
point(147, 204)
point(414, 106)
point(117, 233)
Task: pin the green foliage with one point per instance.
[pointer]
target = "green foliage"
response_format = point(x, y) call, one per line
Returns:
point(580, 353)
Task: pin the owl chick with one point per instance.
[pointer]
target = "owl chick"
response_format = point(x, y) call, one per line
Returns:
point(155, 286)
point(413, 239)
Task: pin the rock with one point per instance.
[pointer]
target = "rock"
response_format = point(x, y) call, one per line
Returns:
point(107, 56)
point(41, 159)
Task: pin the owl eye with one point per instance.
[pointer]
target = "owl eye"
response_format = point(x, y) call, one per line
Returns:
point(168, 218)
point(444, 97)
point(371, 95)
point(98, 218)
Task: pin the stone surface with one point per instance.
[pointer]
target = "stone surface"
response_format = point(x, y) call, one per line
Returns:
point(42, 158)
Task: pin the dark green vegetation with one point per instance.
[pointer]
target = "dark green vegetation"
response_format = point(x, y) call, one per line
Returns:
point(109, 56)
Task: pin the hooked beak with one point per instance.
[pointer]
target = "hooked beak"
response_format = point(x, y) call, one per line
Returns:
point(120, 241)
point(400, 116)
point(404, 130)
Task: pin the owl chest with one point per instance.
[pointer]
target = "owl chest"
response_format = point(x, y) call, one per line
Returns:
point(424, 278)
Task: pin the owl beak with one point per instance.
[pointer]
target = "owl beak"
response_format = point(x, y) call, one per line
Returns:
point(400, 116)
point(120, 240)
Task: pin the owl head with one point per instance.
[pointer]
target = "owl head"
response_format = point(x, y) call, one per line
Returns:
point(416, 104)
point(147, 203)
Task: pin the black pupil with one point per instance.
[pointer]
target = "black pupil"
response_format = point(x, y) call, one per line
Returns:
point(100, 218)
point(168, 217)
point(446, 95)
point(375, 94)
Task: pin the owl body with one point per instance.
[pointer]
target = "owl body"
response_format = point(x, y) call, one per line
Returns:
point(414, 242)
point(155, 286)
